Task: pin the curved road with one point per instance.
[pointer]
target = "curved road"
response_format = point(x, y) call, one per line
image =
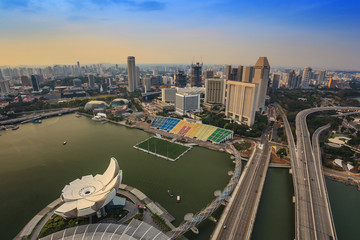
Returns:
point(312, 208)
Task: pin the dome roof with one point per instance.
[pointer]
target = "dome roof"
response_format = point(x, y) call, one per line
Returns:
point(95, 104)
point(118, 102)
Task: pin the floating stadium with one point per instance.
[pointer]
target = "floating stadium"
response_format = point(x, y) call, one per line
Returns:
point(198, 131)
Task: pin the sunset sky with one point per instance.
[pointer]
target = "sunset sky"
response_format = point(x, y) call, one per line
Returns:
point(321, 34)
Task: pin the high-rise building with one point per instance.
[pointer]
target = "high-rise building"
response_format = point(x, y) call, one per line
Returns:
point(180, 79)
point(209, 74)
point(291, 82)
point(276, 81)
point(306, 77)
point(332, 83)
point(239, 74)
point(4, 87)
point(215, 90)
point(248, 74)
point(155, 72)
point(147, 82)
point(168, 94)
point(35, 83)
point(187, 102)
point(234, 74)
point(321, 77)
point(1, 75)
point(137, 80)
point(196, 80)
point(261, 77)
point(25, 81)
point(131, 74)
point(78, 64)
point(91, 81)
point(241, 101)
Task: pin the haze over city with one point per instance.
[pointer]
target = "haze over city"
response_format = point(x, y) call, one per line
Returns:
point(321, 34)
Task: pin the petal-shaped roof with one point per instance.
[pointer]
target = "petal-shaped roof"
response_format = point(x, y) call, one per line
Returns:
point(87, 195)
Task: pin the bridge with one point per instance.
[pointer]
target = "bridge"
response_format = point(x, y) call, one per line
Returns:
point(238, 218)
point(313, 217)
point(208, 210)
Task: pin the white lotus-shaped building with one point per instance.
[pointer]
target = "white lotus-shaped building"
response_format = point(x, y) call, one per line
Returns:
point(89, 194)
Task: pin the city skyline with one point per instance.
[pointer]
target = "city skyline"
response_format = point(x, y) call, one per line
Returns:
point(320, 34)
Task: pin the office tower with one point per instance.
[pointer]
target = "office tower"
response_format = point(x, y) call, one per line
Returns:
point(168, 94)
point(298, 81)
point(25, 81)
point(4, 87)
point(306, 77)
point(261, 77)
point(291, 82)
point(1, 75)
point(185, 102)
point(248, 74)
point(147, 82)
point(228, 72)
point(239, 74)
point(234, 74)
point(321, 77)
point(77, 83)
point(196, 80)
point(215, 90)
point(35, 83)
point(241, 101)
point(180, 79)
point(209, 74)
point(131, 74)
point(155, 72)
point(91, 81)
point(276, 81)
point(137, 80)
point(78, 64)
point(332, 83)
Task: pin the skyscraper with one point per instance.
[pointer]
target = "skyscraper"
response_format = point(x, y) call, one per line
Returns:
point(77, 83)
point(4, 87)
point(35, 83)
point(291, 82)
point(196, 80)
point(180, 79)
point(234, 74)
point(215, 90)
point(276, 81)
point(261, 77)
point(239, 74)
point(209, 74)
point(137, 79)
point(241, 101)
point(78, 64)
point(306, 77)
point(131, 74)
point(25, 81)
point(248, 74)
point(321, 78)
point(91, 80)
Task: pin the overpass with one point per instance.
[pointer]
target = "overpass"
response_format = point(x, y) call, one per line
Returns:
point(313, 217)
point(238, 218)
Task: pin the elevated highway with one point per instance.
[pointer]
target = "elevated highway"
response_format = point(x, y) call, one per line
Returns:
point(313, 217)
point(237, 223)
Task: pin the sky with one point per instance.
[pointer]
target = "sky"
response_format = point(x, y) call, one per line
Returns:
point(323, 34)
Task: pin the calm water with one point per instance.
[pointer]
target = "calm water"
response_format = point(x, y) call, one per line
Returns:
point(35, 166)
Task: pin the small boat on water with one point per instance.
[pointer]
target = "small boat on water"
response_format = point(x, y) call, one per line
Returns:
point(77, 115)
point(171, 194)
point(37, 121)
point(178, 198)
point(15, 128)
point(64, 143)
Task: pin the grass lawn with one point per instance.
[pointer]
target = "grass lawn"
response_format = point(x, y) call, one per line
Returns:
point(163, 147)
